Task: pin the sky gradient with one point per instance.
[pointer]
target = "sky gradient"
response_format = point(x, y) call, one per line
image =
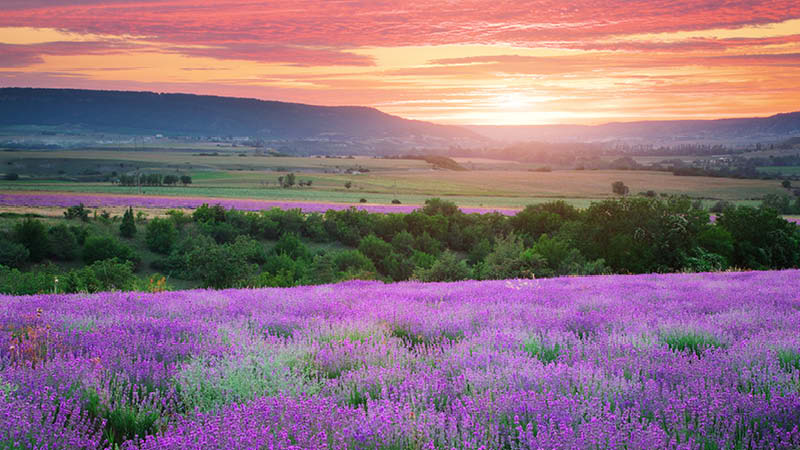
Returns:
point(462, 62)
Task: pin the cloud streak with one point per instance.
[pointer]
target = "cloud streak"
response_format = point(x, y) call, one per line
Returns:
point(452, 61)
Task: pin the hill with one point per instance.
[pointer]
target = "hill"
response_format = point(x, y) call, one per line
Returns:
point(148, 113)
point(745, 130)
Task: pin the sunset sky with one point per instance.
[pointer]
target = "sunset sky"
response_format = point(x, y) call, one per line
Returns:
point(462, 62)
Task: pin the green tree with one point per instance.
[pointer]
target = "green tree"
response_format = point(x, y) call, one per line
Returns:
point(128, 226)
point(160, 235)
point(63, 243)
point(32, 234)
point(448, 267)
point(619, 188)
point(99, 248)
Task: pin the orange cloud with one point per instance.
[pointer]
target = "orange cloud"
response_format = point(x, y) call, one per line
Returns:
point(471, 61)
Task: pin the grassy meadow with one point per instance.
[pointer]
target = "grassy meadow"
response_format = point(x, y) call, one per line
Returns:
point(240, 173)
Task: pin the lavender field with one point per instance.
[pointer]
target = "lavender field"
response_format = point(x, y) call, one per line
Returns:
point(145, 201)
point(682, 361)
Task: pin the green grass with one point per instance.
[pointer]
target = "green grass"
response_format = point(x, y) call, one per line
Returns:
point(789, 360)
point(785, 170)
point(544, 352)
point(690, 341)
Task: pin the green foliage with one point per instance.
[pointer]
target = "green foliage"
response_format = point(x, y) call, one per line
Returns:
point(536, 220)
point(255, 370)
point(41, 280)
point(77, 212)
point(703, 261)
point(448, 267)
point(641, 234)
point(789, 359)
point(281, 271)
point(98, 248)
point(32, 234)
point(353, 264)
point(160, 235)
point(437, 206)
point(397, 267)
point(323, 269)
point(537, 348)
point(690, 341)
point(560, 258)
point(376, 249)
point(123, 420)
point(619, 188)
point(716, 239)
point(63, 243)
point(403, 243)
point(505, 261)
point(762, 239)
point(220, 265)
point(428, 244)
point(179, 218)
point(205, 213)
point(479, 251)
point(127, 228)
point(12, 254)
point(781, 203)
point(290, 245)
point(104, 275)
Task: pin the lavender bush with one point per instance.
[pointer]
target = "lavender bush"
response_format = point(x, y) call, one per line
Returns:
point(681, 361)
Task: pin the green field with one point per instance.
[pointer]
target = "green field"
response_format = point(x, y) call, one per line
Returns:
point(487, 182)
point(784, 170)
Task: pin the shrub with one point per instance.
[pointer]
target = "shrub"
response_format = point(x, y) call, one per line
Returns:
point(33, 235)
point(38, 281)
point(77, 212)
point(128, 226)
point(290, 245)
point(376, 249)
point(353, 264)
point(99, 248)
point(448, 267)
point(720, 206)
point(403, 243)
point(397, 267)
point(104, 275)
point(63, 244)
point(619, 188)
point(160, 235)
point(179, 218)
point(780, 203)
point(12, 254)
point(205, 213)
point(11, 176)
point(396, 201)
point(506, 260)
point(362, 200)
point(219, 266)
point(434, 206)
point(762, 239)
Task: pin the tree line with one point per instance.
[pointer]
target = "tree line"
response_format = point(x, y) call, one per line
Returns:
point(220, 248)
point(153, 179)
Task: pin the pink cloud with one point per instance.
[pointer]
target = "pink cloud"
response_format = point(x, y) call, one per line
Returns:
point(347, 24)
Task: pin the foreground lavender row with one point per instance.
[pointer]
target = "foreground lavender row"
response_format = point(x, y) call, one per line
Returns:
point(695, 361)
point(145, 201)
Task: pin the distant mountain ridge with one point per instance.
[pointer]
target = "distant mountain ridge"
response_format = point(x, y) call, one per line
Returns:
point(128, 112)
point(776, 127)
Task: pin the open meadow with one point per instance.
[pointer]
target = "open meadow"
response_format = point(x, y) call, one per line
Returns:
point(225, 174)
point(681, 361)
